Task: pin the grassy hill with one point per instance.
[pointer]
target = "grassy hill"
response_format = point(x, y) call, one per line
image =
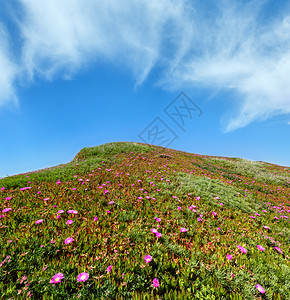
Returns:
point(135, 221)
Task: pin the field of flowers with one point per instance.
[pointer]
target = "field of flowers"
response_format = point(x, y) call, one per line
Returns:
point(135, 221)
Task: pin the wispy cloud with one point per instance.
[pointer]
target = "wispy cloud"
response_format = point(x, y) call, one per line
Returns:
point(218, 45)
point(8, 70)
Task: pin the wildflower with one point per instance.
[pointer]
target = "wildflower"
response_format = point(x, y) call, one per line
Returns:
point(261, 248)
point(155, 282)
point(147, 258)
point(6, 210)
point(266, 227)
point(56, 278)
point(60, 211)
point(108, 212)
point(95, 218)
point(182, 229)
point(218, 228)
point(260, 288)
point(229, 257)
point(109, 269)
point(8, 198)
point(179, 208)
point(111, 202)
point(158, 234)
point(242, 249)
point(83, 277)
point(221, 204)
point(199, 219)
point(278, 249)
point(69, 222)
point(158, 220)
point(197, 198)
point(38, 221)
point(68, 240)
point(214, 213)
point(154, 230)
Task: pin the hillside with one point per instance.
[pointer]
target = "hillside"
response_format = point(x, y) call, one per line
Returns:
point(136, 221)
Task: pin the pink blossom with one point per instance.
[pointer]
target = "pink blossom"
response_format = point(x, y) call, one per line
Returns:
point(95, 218)
point(6, 210)
point(179, 208)
point(69, 222)
point(155, 282)
point(82, 277)
point(214, 213)
point(229, 257)
point(158, 234)
point(147, 258)
point(154, 230)
point(45, 199)
point(8, 198)
point(158, 220)
point(199, 219)
point(182, 229)
point(56, 278)
point(278, 249)
point(221, 204)
point(108, 212)
point(261, 248)
point(266, 227)
point(242, 249)
point(218, 228)
point(197, 198)
point(60, 211)
point(109, 269)
point(68, 240)
point(111, 202)
point(260, 288)
point(38, 221)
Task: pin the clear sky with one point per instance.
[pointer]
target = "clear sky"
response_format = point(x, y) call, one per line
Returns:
point(207, 77)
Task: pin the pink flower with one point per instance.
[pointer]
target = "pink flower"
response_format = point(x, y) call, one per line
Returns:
point(82, 277)
point(95, 218)
point(242, 249)
point(199, 219)
point(179, 208)
point(109, 269)
point(147, 258)
point(155, 282)
point(56, 278)
point(45, 199)
point(60, 211)
point(153, 230)
point(197, 198)
point(68, 240)
point(182, 229)
point(38, 221)
point(70, 211)
point(8, 198)
point(261, 248)
point(75, 212)
point(108, 212)
point(158, 234)
point(278, 249)
point(229, 257)
point(214, 213)
point(6, 210)
point(266, 227)
point(69, 222)
point(221, 204)
point(260, 288)
point(218, 228)
point(111, 202)
point(158, 220)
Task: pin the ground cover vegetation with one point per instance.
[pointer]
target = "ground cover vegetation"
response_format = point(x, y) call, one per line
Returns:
point(136, 221)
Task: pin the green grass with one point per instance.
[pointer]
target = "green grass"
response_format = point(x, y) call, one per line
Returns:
point(222, 203)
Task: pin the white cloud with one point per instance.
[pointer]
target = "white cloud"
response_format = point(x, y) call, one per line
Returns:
point(223, 45)
point(8, 71)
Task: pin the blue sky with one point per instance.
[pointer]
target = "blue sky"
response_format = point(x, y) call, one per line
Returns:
point(81, 73)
